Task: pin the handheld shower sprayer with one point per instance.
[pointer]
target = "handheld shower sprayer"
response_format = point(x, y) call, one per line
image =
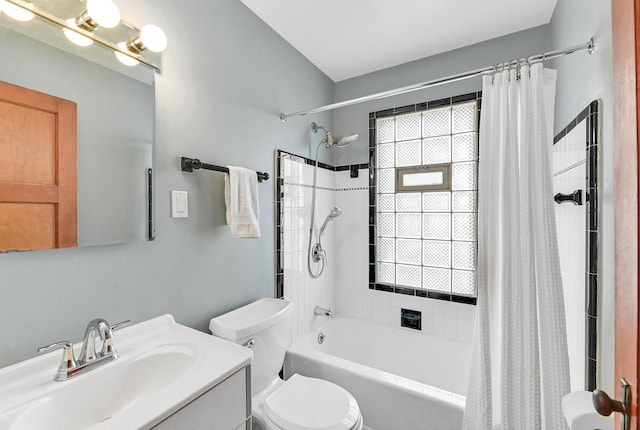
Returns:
point(317, 253)
point(335, 213)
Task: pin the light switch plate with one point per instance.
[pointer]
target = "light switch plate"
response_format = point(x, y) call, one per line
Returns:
point(179, 204)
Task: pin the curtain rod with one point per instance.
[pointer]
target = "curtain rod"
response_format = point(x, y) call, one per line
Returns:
point(589, 47)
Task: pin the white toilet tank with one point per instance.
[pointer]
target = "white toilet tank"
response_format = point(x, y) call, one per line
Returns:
point(267, 324)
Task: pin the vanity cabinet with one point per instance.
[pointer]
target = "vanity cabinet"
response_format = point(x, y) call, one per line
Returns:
point(226, 406)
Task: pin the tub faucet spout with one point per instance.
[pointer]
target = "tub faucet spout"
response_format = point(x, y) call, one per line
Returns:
point(322, 312)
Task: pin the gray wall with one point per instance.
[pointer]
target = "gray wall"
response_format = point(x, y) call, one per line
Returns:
point(583, 78)
point(355, 118)
point(226, 77)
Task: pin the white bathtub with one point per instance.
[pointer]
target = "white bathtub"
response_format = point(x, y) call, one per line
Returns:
point(400, 378)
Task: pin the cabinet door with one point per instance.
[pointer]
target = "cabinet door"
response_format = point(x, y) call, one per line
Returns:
point(224, 407)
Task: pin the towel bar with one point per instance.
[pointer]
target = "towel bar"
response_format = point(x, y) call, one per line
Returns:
point(188, 164)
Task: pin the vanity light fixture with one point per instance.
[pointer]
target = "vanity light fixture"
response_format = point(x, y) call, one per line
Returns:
point(125, 59)
point(151, 37)
point(82, 30)
point(75, 37)
point(16, 12)
point(99, 13)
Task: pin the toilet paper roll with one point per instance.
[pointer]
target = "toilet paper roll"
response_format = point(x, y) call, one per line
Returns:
point(580, 413)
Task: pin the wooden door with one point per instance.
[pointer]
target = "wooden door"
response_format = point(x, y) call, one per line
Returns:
point(626, 42)
point(38, 170)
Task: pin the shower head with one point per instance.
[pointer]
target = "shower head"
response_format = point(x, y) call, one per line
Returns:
point(335, 213)
point(329, 140)
point(347, 140)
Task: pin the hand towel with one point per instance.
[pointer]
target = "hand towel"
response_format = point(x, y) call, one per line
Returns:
point(241, 198)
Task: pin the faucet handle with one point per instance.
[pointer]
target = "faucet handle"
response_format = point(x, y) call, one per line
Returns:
point(121, 324)
point(58, 345)
point(107, 335)
point(68, 363)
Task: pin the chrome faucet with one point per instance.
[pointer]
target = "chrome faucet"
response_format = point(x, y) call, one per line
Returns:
point(89, 358)
point(322, 312)
point(99, 327)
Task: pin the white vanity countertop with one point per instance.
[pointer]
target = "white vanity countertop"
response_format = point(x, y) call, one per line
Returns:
point(162, 367)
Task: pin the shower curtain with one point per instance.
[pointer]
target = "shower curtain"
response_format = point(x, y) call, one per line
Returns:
point(520, 365)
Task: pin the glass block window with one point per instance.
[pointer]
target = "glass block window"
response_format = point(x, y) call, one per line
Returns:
point(424, 199)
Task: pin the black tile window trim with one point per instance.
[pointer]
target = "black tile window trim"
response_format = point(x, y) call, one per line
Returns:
point(592, 234)
point(420, 107)
point(372, 196)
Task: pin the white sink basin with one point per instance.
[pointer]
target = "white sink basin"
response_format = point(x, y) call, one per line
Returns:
point(162, 367)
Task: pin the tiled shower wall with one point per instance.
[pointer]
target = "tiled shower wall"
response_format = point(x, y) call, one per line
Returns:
point(296, 285)
point(575, 167)
point(344, 284)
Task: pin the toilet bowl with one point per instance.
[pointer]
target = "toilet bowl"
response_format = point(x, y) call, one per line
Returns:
point(303, 403)
point(299, 403)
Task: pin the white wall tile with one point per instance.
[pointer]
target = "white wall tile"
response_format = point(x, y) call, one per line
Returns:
point(305, 292)
point(571, 224)
point(344, 285)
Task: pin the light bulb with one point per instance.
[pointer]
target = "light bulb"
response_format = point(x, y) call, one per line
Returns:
point(74, 37)
point(16, 12)
point(153, 38)
point(124, 59)
point(104, 12)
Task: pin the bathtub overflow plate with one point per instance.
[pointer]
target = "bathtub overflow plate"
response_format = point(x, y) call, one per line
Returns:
point(321, 337)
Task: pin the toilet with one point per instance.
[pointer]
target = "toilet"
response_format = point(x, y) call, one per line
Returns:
point(299, 403)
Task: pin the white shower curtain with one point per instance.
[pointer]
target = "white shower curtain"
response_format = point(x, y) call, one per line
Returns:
point(520, 365)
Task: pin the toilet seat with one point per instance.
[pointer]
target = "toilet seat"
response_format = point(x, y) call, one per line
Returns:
point(303, 403)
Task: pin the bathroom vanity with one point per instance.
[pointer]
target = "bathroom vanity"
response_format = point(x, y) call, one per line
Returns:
point(166, 376)
point(225, 406)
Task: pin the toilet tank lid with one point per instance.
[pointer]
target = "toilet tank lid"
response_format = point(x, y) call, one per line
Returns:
point(249, 319)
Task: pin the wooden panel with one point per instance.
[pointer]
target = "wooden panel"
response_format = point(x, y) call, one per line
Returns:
point(626, 197)
point(27, 193)
point(27, 144)
point(67, 174)
point(27, 226)
point(28, 97)
point(38, 165)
